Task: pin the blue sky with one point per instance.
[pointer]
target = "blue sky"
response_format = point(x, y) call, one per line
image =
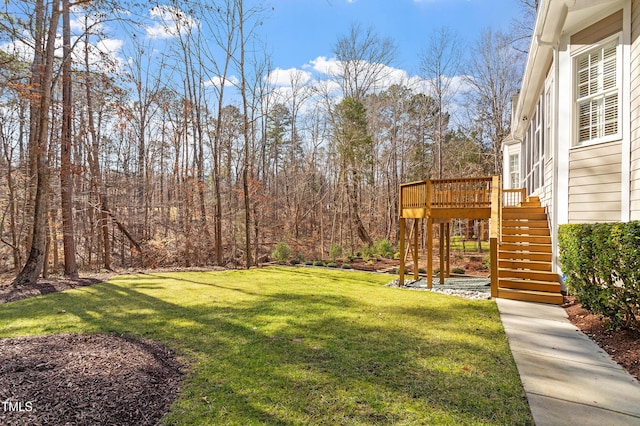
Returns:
point(298, 31)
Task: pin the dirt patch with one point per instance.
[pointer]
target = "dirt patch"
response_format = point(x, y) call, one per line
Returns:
point(85, 380)
point(622, 346)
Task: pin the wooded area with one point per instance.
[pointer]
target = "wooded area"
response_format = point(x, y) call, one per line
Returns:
point(192, 156)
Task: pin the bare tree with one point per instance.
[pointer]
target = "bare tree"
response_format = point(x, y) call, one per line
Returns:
point(494, 76)
point(439, 65)
point(46, 25)
point(363, 61)
point(66, 181)
point(522, 26)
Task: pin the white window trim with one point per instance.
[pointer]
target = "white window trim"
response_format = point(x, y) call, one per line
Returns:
point(618, 38)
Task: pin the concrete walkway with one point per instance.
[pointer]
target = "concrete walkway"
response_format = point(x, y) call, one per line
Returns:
point(568, 379)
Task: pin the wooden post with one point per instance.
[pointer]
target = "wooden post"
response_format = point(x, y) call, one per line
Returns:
point(442, 254)
point(493, 243)
point(403, 227)
point(429, 252)
point(415, 249)
point(494, 232)
point(448, 249)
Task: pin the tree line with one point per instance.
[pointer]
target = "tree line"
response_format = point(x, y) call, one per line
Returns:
point(192, 156)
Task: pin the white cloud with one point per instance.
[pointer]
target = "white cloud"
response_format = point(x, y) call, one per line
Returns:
point(169, 22)
point(228, 81)
point(325, 66)
point(280, 77)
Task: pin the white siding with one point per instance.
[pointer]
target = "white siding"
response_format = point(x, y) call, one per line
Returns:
point(595, 176)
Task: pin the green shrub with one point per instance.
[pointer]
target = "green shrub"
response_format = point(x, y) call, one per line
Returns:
point(384, 248)
point(368, 251)
point(281, 253)
point(308, 262)
point(335, 251)
point(295, 261)
point(486, 261)
point(332, 265)
point(346, 266)
point(318, 263)
point(458, 270)
point(601, 266)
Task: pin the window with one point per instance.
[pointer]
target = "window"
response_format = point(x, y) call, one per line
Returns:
point(598, 94)
point(534, 154)
point(514, 171)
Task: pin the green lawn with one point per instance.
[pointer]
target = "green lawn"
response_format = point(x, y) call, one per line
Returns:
point(296, 346)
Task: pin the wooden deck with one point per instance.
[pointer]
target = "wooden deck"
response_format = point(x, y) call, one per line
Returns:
point(440, 201)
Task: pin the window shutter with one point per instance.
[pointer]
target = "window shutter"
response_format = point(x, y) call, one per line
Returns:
point(597, 93)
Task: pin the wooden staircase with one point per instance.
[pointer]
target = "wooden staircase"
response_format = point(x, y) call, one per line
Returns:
point(525, 255)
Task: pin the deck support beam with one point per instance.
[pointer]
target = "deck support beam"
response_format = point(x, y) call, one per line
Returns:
point(429, 252)
point(403, 228)
point(415, 253)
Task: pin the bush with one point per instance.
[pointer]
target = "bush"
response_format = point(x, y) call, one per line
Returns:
point(458, 270)
point(332, 265)
point(601, 264)
point(384, 248)
point(308, 263)
point(318, 263)
point(367, 252)
point(295, 261)
point(281, 253)
point(335, 251)
point(346, 266)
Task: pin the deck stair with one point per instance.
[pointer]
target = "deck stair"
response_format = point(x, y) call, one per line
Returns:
point(525, 255)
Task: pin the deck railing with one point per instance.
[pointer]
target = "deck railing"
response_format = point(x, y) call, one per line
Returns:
point(447, 193)
point(461, 193)
point(413, 195)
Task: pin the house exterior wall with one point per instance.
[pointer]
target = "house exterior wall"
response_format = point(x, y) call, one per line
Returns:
point(634, 197)
point(595, 172)
point(595, 177)
point(599, 31)
point(587, 178)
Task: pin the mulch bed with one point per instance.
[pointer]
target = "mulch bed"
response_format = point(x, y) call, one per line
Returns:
point(10, 293)
point(68, 379)
point(623, 346)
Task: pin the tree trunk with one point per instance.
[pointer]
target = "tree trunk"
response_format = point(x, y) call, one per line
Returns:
point(245, 131)
point(40, 104)
point(66, 182)
point(94, 166)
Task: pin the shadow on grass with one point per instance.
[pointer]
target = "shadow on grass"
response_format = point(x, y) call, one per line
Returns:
point(292, 357)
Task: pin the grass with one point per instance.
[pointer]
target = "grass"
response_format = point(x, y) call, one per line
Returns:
point(470, 245)
point(295, 346)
